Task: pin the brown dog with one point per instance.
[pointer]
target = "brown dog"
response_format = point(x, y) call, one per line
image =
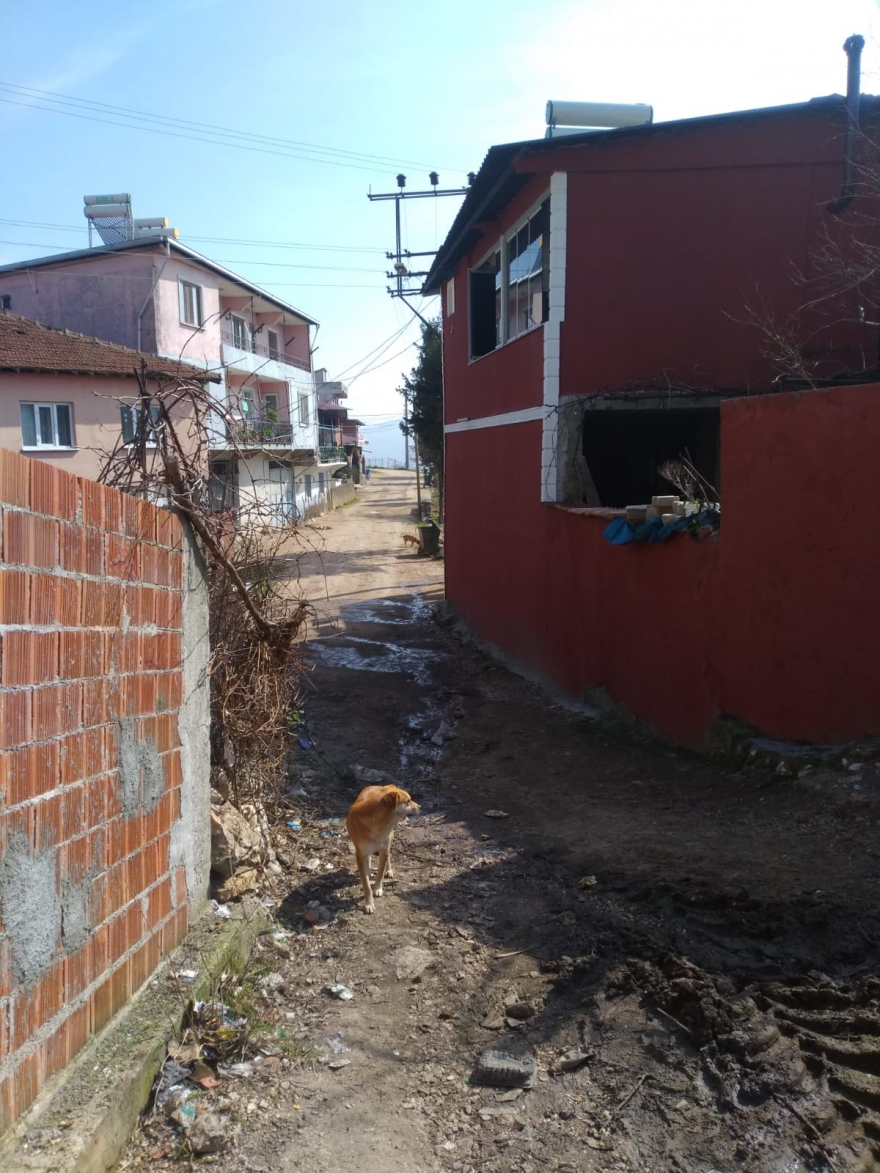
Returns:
point(411, 540)
point(371, 821)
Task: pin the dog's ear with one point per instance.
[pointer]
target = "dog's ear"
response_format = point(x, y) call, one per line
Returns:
point(390, 799)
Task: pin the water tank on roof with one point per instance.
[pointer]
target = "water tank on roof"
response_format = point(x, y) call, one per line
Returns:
point(598, 115)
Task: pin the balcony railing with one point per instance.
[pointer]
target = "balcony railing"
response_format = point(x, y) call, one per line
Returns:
point(266, 351)
point(258, 433)
point(331, 454)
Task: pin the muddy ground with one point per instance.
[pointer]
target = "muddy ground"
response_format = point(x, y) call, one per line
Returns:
point(699, 943)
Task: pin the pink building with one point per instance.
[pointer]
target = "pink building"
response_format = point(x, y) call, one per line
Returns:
point(68, 399)
point(155, 294)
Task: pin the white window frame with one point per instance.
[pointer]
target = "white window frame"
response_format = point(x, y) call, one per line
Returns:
point(152, 432)
point(305, 409)
point(275, 352)
point(244, 332)
point(182, 286)
point(39, 446)
point(450, 297)
point(502, 245)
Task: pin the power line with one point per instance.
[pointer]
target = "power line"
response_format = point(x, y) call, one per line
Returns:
point(210, 127)
point(217, 136)
point(216, 239)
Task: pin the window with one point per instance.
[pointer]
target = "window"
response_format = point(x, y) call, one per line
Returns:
point(270, 406)
point(528, 261)
point(308, 481)
point(222, 487)
point(304, 410)
point(485, 305)
point(272, 342)
point(450, 297)
point(190, 304)
point(5, 301)
point(131, 415)
point(241, 335)
point(509, 292)
point(46, 425)
point(246, 401)
point(624, 447)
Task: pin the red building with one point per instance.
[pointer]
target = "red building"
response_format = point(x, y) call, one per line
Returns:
point(600, 295)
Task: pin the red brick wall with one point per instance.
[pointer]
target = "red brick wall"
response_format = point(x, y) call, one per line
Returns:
point(90, 772)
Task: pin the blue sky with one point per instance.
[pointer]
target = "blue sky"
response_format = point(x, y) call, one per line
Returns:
point(415, 86)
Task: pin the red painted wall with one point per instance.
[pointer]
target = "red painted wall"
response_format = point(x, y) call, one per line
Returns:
point(510, 378)
point(798, 627)
point(775, 623)
point(670, 240)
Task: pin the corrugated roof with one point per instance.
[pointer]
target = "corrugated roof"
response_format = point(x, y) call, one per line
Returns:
point(498, 181)
point(153, 242)
point(26, 345)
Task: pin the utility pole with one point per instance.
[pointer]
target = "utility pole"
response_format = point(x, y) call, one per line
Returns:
point(401, 255)
point(406, 431)
point(418, 484)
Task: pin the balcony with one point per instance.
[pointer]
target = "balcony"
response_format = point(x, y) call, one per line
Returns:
point(331, 454)
point(257, 433)
point(236, 342)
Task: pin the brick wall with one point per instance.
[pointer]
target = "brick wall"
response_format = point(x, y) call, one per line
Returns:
point(93, 888)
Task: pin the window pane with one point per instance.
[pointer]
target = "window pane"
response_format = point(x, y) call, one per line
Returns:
point(62, 412)
point(127, 420)
point(45, 430)
point(28, 425)
point(197, 305)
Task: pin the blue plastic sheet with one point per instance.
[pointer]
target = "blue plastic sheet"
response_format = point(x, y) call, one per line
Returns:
point(620, 533)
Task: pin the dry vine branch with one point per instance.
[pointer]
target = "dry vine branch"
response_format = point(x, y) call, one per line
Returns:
point(257, 618)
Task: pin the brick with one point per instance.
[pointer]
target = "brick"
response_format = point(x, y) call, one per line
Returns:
point(158, 904)
point(29, 540)
point(29, 771)
point(5, 969)
point(92, 497)
point(54, 601)
point(14, 596)
point(114, 593)
point(79, 1028)
point(14, 478)
point(26, 1081)
point(28, 657)
point(173, 769)
point(175, 577)
point(144, 962)
point(93, 604)
point(169, 530)
point(15, 717)
point(112, 510)
point(53, 491)
point(124, 557)
point(4, 1033)
point(81, 654)
point(169, 691)
point(7, 1102)
point(81, 550)
point(100, 701)
point(57, 709)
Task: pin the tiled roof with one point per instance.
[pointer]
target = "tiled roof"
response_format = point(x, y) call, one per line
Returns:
point(26, 345)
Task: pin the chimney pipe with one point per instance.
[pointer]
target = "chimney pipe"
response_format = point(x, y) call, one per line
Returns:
point(852, 46)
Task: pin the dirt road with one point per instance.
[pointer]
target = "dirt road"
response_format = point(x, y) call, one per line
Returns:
point(689, 952)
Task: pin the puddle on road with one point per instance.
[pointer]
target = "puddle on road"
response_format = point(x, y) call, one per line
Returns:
point(368, 655)
point(418, 753)
point(362, 654)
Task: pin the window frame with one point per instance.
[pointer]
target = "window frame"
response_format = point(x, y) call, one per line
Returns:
point(501, 245)
point(244, 331)
point(275, 351)
point(55, 446)
point(199, 304)
point(305, 415)
point(153, 432)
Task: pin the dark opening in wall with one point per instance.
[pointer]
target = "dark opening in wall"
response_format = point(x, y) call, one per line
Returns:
point(484, 305)
point(624, 447)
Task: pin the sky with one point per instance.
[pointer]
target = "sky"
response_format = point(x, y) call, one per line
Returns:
point(350, 94)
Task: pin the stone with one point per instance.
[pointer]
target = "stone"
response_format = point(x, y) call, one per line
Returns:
point(410, 962)
point(501, 1069)
point(207, 1134)
point(236, 842)
point(243, 881)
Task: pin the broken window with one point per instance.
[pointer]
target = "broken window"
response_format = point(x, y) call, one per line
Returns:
point(528, 285)
point(625, 446)
point(485, 305)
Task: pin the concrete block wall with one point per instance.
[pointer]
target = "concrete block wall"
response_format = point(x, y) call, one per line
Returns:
point(98, 873)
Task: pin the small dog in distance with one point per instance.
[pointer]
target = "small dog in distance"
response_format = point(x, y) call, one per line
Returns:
point(371, 821)
point(411, 540)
